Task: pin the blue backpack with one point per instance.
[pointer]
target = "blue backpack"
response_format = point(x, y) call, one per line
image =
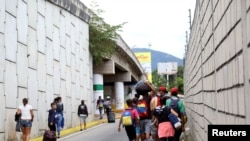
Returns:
point(174, 105)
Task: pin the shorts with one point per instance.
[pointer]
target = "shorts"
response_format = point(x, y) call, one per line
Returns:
point(83, 118)
point(26, 123)
point(154, 129)
point(131, 133)
point(145, 126)
point(137, 130)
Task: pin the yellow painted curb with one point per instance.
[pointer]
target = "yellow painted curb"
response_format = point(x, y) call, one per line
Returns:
point(76, 129)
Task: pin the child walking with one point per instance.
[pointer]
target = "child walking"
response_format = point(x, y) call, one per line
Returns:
point(129, 119)
point(52, 117)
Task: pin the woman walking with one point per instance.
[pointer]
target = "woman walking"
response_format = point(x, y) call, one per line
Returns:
point(27, 117)
point(59, 111)
point(160, 115)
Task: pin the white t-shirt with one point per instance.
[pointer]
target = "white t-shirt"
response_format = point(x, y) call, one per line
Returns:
point(25, 110)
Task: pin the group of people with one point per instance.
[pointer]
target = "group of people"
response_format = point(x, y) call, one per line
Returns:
point(147, 115)
point(55, 117)
point(102, 105)
point(25, 116)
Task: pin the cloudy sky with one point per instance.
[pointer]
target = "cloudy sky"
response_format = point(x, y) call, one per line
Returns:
point(161, 23)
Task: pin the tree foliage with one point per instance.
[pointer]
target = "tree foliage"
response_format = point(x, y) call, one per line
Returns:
point(102, 36)
point(158, 80)
point(174, 80)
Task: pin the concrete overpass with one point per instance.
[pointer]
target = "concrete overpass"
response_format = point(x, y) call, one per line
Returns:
point(111, 76)
point(44, 53)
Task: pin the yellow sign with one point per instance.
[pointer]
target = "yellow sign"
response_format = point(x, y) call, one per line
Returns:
point(145, 60)
point(143, 57)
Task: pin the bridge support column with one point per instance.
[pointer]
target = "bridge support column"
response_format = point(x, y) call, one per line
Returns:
point(98, 89)
point(119, 94)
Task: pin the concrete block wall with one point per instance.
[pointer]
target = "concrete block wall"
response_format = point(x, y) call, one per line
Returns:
point(217, 78)
point(43, 54)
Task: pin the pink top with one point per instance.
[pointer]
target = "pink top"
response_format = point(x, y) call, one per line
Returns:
point(165, 129)
point(134, 113)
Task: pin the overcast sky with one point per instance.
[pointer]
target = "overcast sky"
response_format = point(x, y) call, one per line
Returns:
point(161, 23)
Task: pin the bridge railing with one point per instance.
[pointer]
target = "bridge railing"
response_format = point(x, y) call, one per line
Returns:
point(123, 45)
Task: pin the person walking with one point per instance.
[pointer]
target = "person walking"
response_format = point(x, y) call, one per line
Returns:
point(129, 119)
point(166, 131)
point(99, 105)
point(82, 114)
point(107, 106)
point(59, 112)
point(143, 107)
point(137, 126)
point(156, 101)
point(178, 106)
point(27, 117)
point(52, 117)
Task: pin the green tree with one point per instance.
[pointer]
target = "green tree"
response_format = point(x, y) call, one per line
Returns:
point(102, 36)
point(180, 71)
point(174, 80)
point(158, 80)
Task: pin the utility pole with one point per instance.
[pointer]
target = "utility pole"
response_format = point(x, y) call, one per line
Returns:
point(190, 20)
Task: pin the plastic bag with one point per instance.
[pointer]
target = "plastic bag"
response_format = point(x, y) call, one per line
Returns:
point(141, 87)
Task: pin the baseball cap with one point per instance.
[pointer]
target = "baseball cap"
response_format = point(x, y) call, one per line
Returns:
point(174, 90)
point(162, 88)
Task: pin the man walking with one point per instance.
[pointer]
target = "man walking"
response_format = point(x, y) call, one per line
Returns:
point(99, 106)
point(107, 106)
point(82, 114)
point(178, 106)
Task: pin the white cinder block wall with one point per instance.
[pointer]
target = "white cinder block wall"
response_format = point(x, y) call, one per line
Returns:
point(43, 54)
point(217, 65)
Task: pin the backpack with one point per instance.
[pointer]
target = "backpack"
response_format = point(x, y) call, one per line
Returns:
point(142, 108)
point(127, 119)
point(83, 109)
point(162, 112)
point(106, 104)
point(174, 105)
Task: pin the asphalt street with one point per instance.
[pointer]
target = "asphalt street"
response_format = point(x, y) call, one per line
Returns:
point(103, 132)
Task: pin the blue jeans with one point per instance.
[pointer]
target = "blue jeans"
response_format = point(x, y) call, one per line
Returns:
point(100, 112)
point(26, 123)
point(59, 123)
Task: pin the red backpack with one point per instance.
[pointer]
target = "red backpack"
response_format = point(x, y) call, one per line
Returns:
point(142, 108)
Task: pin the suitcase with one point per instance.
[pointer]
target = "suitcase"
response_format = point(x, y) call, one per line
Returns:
point(49, 135)
point(111, 117)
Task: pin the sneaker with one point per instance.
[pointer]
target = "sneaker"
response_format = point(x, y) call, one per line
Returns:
point(80, 129)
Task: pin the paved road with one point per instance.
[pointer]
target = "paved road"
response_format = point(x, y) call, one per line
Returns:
point(104, 132)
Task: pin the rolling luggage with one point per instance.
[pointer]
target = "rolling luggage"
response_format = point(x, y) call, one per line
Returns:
point(49, 135)
point(111, 117)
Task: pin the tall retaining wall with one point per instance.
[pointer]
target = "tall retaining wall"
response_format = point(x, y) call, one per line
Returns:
point(43, 54)
point(217, 70)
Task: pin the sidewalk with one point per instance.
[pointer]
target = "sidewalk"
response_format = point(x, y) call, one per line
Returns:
point(69, 131)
